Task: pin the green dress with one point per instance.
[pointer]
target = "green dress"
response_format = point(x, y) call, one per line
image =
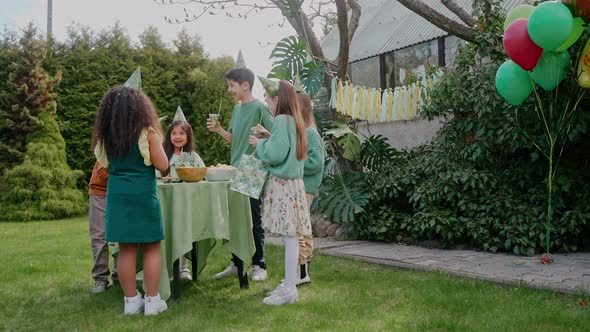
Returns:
point(133, 212)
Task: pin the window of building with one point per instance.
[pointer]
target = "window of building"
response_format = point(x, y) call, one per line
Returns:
point(388, 65)
point(406, 65)
point(366, 72)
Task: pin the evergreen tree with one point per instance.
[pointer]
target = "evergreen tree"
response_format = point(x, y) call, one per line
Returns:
point(8, 55)
point(43, 186)
point(176, 75)
point(160, 71)
point(189, 48)
point(29, 92)
point(205, 88)
point(91, 64)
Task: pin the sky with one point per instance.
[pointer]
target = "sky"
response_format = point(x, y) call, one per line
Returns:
point(220, 35)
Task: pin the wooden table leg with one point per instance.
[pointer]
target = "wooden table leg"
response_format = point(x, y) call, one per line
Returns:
point(194, 261)
point(176, 280)
point(242, 276)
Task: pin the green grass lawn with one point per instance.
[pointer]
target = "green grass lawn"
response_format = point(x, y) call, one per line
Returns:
point(45, 282)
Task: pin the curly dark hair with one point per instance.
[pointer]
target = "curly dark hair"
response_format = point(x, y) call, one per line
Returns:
point(122, 114)
point(190, 138)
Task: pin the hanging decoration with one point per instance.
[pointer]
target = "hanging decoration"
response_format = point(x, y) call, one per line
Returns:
point(376, 105)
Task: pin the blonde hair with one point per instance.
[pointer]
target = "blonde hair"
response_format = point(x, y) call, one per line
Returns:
point(288, 104)
point(306, 109)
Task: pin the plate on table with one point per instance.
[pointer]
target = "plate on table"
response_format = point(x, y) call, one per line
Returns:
point(169, 179)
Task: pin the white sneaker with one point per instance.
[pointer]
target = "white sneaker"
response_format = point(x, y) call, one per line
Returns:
point(283, 296)
point(99, 287)
point(186, 275)
point(230, 271)
point(258, 273)
point(154, 305)
point(134, 305)
point(276, 290)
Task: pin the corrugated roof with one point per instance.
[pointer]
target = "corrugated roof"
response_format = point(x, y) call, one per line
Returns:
point(386, 25)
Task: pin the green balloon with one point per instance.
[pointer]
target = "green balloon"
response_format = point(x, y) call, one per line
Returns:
point(576, 33)
point(522, 11)
point(550, 25)
point(551, 69)
point(513, 83)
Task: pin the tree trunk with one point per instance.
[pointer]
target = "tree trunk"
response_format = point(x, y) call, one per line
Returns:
point(344, 38)
point(355, 15)
point(440, 20)
point(460, 12)
point(303, 28)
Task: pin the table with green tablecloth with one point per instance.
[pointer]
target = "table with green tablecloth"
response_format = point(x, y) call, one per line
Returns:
point(201, 213)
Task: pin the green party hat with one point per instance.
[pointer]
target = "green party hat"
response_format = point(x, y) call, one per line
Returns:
point(179, 116)
point(240, 63)
point(271, 87)
point(134, 80)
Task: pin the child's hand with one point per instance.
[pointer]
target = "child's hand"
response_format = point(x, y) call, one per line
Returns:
point(154, 138)
point(260, 131)
point(253, 140)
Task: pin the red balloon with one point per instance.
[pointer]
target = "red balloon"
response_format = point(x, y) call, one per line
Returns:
point(579, 8)
point(519, 46)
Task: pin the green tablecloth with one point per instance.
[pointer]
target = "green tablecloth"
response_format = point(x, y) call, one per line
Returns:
point(202, 212)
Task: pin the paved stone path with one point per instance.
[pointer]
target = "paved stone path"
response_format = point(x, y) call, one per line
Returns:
point(569, 273)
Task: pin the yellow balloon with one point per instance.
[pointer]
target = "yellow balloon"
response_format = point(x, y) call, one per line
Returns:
point(522, 11)
point(584, 67)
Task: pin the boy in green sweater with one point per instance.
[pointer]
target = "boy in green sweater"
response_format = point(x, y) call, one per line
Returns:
point(248, 113)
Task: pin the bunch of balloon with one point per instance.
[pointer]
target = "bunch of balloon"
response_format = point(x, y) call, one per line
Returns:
point(537, 41)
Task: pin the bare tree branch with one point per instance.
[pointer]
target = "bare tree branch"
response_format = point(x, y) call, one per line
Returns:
point(460, 12)
point(323, 11)
point(302, 26)
point(223, 4)
point(212, 7)
point(440, 20)
point(301, 22)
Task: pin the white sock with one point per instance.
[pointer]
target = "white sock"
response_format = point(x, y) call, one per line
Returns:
point(152, 298)
point(136, 297)
point(291, 261)
point(183, 264)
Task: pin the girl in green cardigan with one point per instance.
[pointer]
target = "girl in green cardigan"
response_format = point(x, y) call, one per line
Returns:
point(285, 208)
point(312, 178)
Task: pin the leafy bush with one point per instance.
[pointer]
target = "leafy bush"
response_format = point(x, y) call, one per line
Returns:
point(428, 194)
point(343, 196)
point(43, 187)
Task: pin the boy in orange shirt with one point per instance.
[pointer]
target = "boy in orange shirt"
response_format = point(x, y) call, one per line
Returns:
point(100, 248)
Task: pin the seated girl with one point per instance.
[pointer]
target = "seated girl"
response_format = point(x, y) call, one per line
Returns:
point(179, 145)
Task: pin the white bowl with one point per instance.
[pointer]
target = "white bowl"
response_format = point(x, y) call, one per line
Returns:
point(220, 174)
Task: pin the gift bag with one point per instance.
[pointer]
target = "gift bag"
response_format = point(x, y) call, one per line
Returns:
point(250, 177)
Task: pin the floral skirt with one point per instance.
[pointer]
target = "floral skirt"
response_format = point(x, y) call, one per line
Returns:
point(285, 208)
